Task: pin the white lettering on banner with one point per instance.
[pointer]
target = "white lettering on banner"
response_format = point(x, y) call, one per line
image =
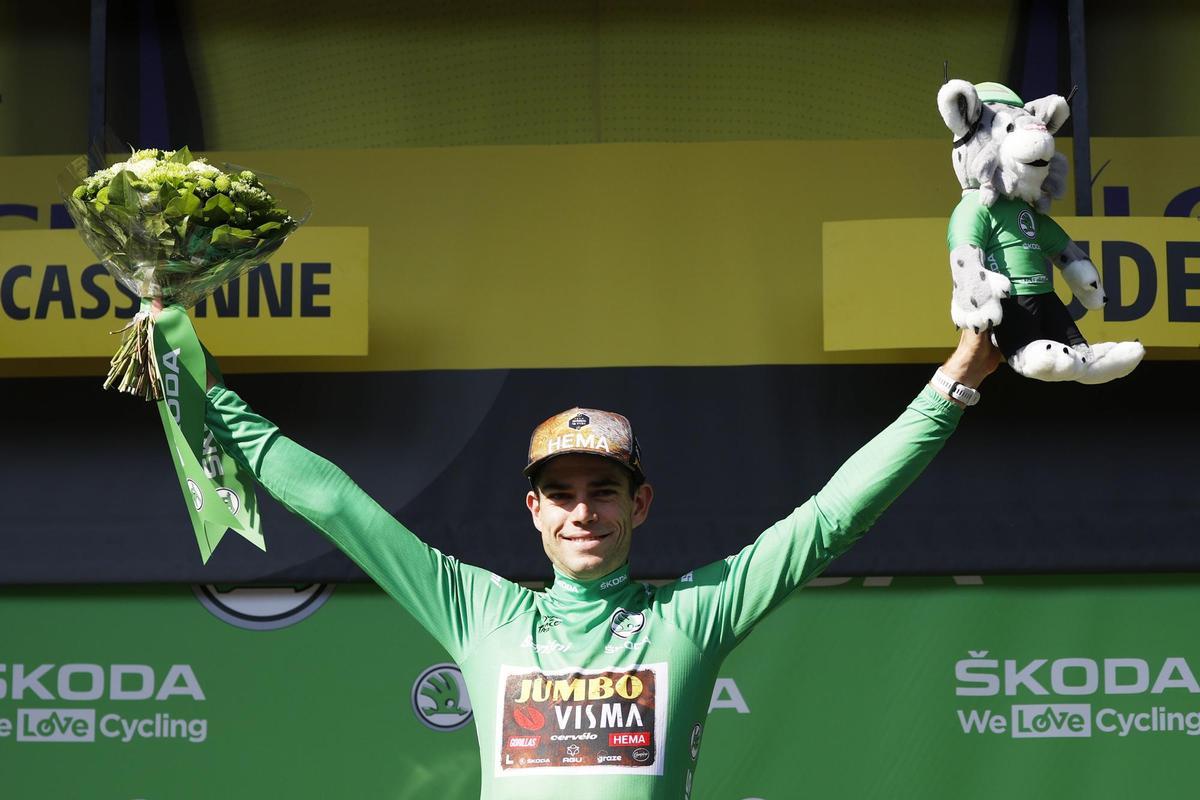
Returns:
point(1157, 719)
point(83, 682)
point(120, 691)
point(979, 722)
point(1014, 678)
point(160, 726)
point(22, 681)
point(180, 680)
point(79, 725)
point(90, 683)
point(210, 457)
point(1112, 682)
point(726, 694)
point(1050, 720)
point(171, 383)
point(984, 677)
point(56, 725)
point(978, 674)
point(1058, 673)
point(95, 687)
point(1171, 667)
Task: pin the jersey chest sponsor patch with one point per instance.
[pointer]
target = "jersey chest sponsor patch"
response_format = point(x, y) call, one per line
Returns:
point(579, 721)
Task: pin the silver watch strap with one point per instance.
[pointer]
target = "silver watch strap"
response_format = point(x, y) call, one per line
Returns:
point(960, 392)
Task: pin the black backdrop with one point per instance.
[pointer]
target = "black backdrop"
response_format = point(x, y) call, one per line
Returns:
point(1038, 478)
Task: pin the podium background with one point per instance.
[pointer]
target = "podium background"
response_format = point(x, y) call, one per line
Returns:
point(847, 690)
point(609, 204)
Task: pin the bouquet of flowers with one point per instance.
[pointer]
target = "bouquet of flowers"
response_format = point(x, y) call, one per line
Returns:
point(172, 228)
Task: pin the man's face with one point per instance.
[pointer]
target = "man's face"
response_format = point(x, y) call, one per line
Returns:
point(584, 510)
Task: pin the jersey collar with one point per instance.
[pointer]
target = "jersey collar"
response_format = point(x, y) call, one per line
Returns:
point(568, 589)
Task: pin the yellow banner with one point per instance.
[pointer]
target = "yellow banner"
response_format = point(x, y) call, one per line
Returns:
point(644, 254)
point(887, 281)
point(310, 299)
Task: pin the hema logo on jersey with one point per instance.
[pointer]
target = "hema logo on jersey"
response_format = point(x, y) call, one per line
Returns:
point(1051, 721)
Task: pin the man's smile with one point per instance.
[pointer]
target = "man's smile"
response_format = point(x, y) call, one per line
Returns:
point(585, 538)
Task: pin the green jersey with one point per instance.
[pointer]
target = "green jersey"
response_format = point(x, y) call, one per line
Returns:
point(591, 689)
point(1016, 240)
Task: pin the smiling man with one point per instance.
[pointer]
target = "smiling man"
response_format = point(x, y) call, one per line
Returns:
point(599, 686)
point(588, 490)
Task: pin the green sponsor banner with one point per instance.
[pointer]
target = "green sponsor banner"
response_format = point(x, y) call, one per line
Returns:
point(908, 688)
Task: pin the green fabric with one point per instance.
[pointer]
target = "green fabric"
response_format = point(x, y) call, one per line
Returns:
point(618, 672)
point(1002, 233)
point(219, 493)
point(998, 93)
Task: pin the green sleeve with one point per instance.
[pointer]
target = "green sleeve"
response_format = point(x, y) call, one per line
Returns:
point(455, 602)
point(1052, 237)
point(970, 223)
point(717, 605)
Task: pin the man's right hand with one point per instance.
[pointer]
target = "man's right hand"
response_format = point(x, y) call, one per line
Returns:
point(156, 307)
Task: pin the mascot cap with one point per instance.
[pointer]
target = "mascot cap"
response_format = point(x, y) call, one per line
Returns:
point(585, 430)
point(998, 93)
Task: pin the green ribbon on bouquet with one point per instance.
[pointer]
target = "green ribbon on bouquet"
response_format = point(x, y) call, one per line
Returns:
point(218, 491)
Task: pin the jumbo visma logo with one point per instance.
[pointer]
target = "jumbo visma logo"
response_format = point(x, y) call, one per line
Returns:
point(439, 698)
point(1042, 698)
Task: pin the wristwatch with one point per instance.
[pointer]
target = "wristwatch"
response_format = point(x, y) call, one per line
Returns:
point(959, 391)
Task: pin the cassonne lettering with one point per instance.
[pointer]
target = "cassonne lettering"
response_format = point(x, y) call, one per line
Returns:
point(55, 290)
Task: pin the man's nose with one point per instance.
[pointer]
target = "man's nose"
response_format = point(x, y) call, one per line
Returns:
point(583, 512)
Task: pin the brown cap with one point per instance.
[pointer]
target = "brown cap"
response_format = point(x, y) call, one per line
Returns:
point(585, 430)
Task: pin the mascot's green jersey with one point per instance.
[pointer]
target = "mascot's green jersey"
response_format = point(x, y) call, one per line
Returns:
point(592, 689)
point(1016, 240)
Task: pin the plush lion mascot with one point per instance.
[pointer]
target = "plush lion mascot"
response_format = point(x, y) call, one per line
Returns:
point(1000, 237)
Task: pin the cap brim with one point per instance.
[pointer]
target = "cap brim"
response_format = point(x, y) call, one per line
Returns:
point(536, 466)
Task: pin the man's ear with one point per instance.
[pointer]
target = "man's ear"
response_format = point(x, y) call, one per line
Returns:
point(643, 496)
point(1052, 110)
point(533, 502)
point(959, 103)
